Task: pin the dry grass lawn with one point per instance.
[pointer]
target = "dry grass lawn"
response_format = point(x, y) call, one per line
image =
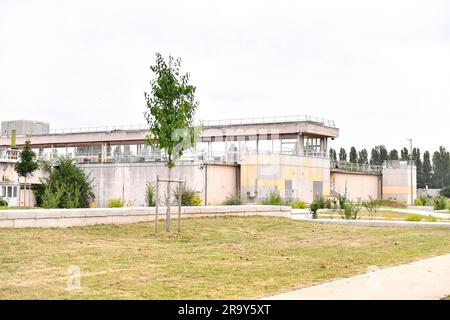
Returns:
point(228, 257)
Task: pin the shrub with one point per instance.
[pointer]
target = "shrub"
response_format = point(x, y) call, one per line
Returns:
point(233, 200)
point(298, 205)
point(439, 203)
point(197, 200)
point(314, 208)
point(393, 203)
point(187, 196)
point(350, 211)
point(66, 176)
point(413, 217)
point(445, 192)
point(372, 206)
point(3, 202)
point(51, 198)
point(431, 219)
point(423, 200)
point(115, 203)
point(150, 194)
point(274, 198)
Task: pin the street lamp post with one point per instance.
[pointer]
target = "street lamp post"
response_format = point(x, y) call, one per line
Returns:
point(411, 165)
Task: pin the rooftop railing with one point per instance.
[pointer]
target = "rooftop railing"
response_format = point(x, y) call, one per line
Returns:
point(263, 120)
point(356, 167)
point(203, 123)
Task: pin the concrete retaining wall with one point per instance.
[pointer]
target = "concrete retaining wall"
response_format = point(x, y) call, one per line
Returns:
point(62, 218)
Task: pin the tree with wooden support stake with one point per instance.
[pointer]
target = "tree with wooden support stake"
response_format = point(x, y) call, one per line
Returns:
point(171, 107)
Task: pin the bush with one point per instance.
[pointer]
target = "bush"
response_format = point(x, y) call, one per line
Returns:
point(423, 200)
point(431, 219)
point(197, 200)
point(274, 198)
point(150, 194)
point(233, 200)
point(51, 198)
point(445, 192)
point(393, 203)
point(372, 206)
point(439, 203)
point(413, 217)
point(314, 208)
point(115, 203)
point(350, 211)
point(298, 205)
point(68, 183)
point(187, 196)
point(3, 202)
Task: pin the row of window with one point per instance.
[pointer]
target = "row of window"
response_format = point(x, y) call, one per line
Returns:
point(8, 192)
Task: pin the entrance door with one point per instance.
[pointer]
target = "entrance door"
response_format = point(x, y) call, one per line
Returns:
point(317, 189)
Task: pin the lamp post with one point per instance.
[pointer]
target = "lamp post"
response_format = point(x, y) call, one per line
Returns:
point(411, 165)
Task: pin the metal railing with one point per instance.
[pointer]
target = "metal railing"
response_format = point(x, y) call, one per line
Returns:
point(356, 167)
point(262, 120)
point(203, 123)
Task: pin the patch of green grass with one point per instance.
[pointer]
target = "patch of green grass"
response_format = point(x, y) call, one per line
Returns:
point(222, 258)
point(414, 217)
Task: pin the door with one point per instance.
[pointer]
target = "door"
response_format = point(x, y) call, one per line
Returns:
point(317, 189)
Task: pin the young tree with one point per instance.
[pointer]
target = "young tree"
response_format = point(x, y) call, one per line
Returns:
point(393, 155)
point(26, 165)
point(427, 170)
point(363, 157)
point(342, 155)
point(171, 107)
point(353, 155)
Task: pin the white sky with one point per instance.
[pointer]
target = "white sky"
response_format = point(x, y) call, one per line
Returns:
point(380, 69)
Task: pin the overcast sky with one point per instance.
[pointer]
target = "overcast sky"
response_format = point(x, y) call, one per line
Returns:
point(380, 69)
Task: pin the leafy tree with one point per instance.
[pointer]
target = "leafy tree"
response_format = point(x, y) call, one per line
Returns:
point(384, 156)
point(379, 155)
point(171, 107)
point(27, 163)
point(418, 163)
point(375, 157)
point(67, 185)
point(393, 155)
point(342, 155)
point(363, 157)
point(441, 166)
point(353, 155)
point(333, 155)
point(404, 153)
point(427, 170)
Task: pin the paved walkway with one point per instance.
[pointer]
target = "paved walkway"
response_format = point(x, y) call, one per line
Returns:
point(427, 279)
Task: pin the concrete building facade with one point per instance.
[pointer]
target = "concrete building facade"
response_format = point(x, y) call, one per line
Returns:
point(251, 157)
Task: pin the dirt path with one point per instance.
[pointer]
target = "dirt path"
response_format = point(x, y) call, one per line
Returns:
point(425, 279)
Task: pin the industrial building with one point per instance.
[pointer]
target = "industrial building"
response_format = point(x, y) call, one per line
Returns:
point(250, 156)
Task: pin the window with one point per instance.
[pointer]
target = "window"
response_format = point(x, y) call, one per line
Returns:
point(15, 192)
point(3, 192)
point(9, 192)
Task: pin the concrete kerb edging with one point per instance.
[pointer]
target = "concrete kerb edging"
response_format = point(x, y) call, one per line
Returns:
point(62, 218)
